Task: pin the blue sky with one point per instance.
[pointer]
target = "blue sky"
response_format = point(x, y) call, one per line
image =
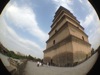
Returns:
point(25, 24)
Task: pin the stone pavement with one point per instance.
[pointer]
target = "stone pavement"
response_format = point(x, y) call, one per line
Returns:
point(82, 69)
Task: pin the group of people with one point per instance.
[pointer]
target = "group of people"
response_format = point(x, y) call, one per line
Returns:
point(39, 64)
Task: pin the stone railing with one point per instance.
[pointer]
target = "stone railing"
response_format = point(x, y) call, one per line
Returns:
point(13, 62)
point(19, 66)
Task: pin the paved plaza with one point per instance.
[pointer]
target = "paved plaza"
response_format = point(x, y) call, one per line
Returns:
point(82, 69)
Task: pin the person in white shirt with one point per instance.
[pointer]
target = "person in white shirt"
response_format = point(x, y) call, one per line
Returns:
point(38, 63)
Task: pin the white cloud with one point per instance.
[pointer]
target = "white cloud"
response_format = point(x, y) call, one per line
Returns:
point(64, 3)
point(14, 42)
point(25, 18)
point(80, 1)
point(91, 21)
point(94, 38)
point(91, 16)
point(88, 19)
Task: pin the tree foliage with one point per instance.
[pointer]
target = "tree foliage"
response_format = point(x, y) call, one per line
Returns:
point(12, 54)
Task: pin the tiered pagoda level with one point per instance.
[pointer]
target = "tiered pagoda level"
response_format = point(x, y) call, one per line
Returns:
point(67, 44)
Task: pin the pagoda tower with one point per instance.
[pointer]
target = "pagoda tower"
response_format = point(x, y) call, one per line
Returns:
point(68, 43)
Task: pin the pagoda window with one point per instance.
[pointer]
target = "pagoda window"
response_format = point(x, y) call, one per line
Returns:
point(55, 31)
point(82, 37)
point(53, 41)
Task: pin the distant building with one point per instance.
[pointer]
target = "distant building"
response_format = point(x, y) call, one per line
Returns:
point(67, 43)
point(18, 53)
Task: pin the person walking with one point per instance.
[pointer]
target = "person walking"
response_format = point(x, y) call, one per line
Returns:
point(38, 64)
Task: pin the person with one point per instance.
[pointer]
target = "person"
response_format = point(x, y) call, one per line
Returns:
point(42, 64)
point(38, 64)
point(47, 63)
